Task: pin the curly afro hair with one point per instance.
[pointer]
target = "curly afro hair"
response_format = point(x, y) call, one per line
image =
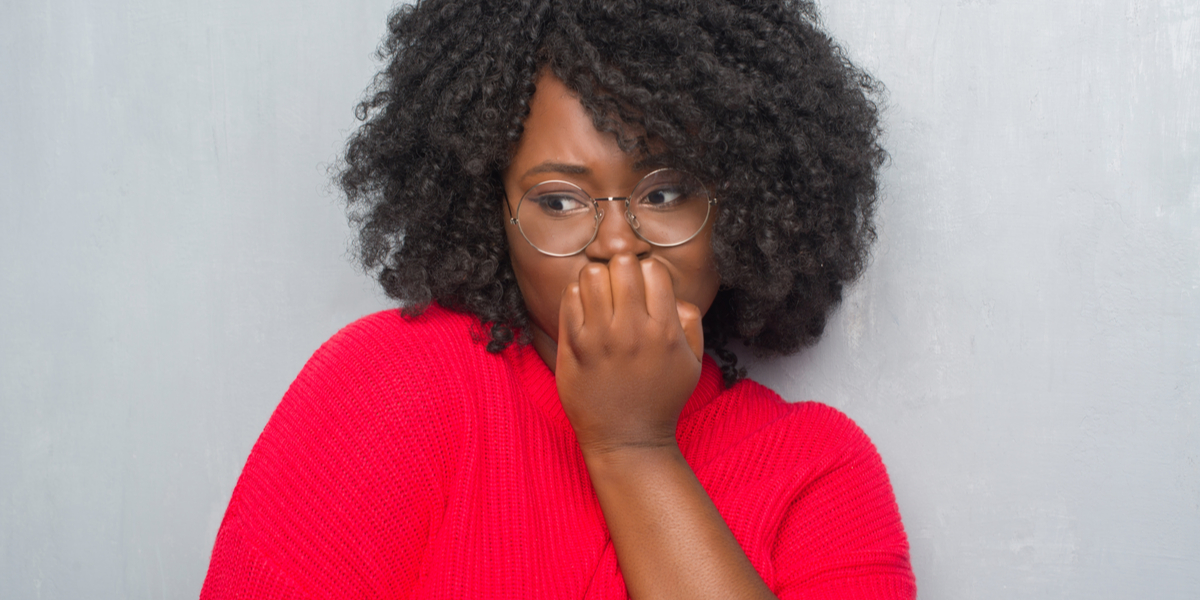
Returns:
point(750, 95)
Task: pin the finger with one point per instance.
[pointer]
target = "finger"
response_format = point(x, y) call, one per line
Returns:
point(595, 294)
point(693, 327)
point(570, 326)
point(628, 286)
point(660, 292)
point(570, 313)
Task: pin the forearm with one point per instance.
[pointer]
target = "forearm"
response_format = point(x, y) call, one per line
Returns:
point(670, 540)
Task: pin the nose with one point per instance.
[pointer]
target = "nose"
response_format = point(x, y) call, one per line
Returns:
point(615, 234)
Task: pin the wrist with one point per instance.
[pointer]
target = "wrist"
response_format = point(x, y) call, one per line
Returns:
point(630, 441)
point(603, 460)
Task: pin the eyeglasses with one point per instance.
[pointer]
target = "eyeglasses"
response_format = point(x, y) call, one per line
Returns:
point(666, 208)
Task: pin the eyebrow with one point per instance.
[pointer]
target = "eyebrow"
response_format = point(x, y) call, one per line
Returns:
point(553, 167)
point(569, 169)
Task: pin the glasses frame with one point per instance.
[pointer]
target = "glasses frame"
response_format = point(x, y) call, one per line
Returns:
point(599, 216)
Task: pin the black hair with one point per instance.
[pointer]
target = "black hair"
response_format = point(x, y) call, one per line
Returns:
point(750, 95)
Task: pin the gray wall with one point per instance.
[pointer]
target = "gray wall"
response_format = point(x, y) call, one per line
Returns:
point(1025, 349)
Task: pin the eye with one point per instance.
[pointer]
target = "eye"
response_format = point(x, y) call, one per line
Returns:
point(662, 196)
point(665, 197)
point(559, 204)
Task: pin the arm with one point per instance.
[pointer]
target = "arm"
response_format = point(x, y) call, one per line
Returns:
point(627, 361)
point(670, 540)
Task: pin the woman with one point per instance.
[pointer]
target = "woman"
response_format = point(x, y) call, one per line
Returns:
point(572, 200)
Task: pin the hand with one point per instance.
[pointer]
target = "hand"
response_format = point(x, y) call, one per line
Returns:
point(629, 355)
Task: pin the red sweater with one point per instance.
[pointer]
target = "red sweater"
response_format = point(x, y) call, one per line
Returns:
point(408, 462)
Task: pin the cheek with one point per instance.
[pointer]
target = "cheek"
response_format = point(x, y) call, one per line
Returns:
point(698, 279)
point(542, 280)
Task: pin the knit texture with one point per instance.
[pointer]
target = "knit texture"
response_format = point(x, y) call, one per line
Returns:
point(406, 461)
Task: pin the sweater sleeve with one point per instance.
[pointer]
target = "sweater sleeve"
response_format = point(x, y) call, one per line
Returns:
point(345, 484)
point(841, 536)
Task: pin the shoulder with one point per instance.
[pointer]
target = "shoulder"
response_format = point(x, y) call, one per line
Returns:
point(392, 335)
point(819, 488)
point(382, 348)
point(752, 416)
point(386, 392)
point(823, 427)
point(370, 428)
point(387, 372)
point(779, 448)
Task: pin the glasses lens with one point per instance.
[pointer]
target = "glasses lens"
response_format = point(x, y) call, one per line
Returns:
point(557, 217)
point(669, 207)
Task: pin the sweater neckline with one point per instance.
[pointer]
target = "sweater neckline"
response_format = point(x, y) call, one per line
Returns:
point(541, 388)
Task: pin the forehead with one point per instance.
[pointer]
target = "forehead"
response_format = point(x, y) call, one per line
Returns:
point(560, 141)
point(560, 129)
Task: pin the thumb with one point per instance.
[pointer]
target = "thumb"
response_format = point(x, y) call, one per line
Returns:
point(690, 317)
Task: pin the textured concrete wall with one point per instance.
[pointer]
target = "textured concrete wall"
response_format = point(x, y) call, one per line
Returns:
point(1025, 349)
